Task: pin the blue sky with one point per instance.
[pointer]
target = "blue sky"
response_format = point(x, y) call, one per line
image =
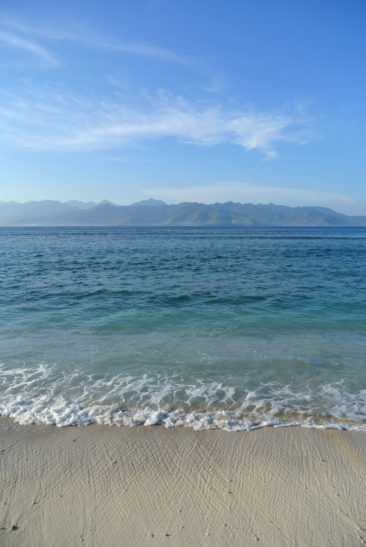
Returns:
point(258, 101)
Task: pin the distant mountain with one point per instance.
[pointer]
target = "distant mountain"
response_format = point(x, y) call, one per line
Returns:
point(149, 203)
point(33, 212)
point(151, 212)
point(80, 204)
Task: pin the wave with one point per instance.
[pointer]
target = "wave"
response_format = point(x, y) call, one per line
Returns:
point(44, 395)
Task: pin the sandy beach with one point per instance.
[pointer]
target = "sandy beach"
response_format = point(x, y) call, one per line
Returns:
point(100, 485)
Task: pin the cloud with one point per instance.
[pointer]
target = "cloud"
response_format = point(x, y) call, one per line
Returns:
point(245, 192)
point(18, 34)
point(55, 119)
point(58, 120)
point(12, 39)
point(138, 48)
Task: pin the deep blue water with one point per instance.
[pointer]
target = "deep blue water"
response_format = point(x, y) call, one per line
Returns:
point(207, 327)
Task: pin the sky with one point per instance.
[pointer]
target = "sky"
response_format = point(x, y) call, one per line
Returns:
point(248, 100)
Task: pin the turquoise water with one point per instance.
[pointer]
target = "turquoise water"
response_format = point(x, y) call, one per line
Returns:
point(233, 328)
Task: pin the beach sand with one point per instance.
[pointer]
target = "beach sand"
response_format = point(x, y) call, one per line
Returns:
point(100, 485)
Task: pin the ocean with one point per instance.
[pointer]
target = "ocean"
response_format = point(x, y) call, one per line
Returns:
point(219, 327)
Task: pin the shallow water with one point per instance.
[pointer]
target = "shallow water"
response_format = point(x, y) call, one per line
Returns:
point(208, 327)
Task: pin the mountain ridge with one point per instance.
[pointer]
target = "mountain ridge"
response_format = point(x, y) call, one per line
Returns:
point(152, 212)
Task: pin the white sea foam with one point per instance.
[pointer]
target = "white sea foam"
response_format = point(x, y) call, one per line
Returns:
point(44, 395)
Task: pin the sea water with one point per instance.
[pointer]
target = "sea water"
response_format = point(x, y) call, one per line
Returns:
point(232, 328)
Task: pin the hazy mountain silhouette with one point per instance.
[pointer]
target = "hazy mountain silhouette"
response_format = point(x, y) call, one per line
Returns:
point(152, 212)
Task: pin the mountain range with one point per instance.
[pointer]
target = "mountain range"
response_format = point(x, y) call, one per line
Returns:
point(152, 212)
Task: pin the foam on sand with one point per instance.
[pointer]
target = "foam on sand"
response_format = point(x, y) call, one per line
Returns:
point(47, 395)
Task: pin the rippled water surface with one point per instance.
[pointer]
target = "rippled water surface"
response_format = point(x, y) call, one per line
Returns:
point(207, 327)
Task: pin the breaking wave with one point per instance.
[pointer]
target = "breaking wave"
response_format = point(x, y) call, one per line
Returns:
point(45, 395)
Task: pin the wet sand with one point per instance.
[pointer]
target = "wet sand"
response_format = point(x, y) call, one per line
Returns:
point(108, 486)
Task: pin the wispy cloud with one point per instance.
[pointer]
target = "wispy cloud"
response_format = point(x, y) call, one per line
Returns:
point(245, 192)
point(12, 39)
point(32, 39)
point(139, 49)
point(56, 120)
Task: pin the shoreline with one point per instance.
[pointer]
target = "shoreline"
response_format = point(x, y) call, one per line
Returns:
point(99, 485)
